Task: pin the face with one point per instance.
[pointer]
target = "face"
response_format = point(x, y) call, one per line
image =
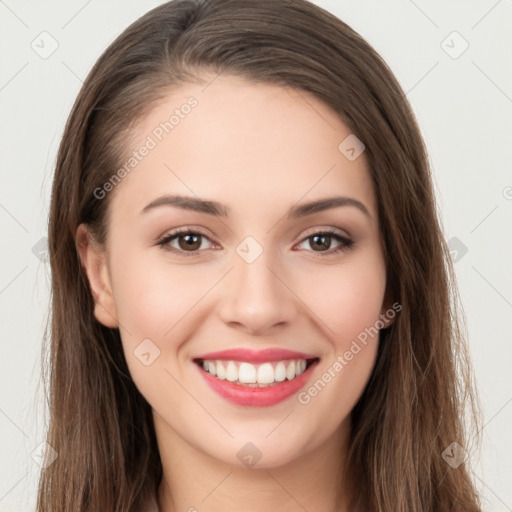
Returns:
point(240, 265)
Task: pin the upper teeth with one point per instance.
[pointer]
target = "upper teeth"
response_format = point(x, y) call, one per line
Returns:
point(247, 373)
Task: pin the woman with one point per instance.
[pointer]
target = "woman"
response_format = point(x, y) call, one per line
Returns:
point(251, 290)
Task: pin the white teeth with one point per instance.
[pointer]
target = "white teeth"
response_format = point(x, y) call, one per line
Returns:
point(212, 367)
point(290, 371)
point(221, 371)
point(280, 372)
point(265, 374)
point(257, 375)
point(231, 372)
point(247, 373)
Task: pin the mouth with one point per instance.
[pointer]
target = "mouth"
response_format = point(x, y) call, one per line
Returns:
point(243, 373)
point(260, 378)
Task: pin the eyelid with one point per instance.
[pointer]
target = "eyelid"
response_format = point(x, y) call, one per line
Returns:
point(326, 229)
point(184, 230)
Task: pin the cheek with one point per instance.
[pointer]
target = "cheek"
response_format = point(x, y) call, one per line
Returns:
point(151, 296)
point(347, 299)
point(348, 302)
point(162, 303)
point(349, 308)
point(155, 307)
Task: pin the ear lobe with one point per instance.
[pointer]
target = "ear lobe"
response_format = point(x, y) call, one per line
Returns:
point(94, 261)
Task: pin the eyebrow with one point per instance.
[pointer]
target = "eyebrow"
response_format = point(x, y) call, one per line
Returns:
point(220, 210)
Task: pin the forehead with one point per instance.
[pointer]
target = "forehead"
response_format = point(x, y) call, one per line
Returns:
point(253, 146)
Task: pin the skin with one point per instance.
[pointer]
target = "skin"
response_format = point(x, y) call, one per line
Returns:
point(259, 149)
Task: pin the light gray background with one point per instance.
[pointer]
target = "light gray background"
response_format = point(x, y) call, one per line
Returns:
point(463, 106)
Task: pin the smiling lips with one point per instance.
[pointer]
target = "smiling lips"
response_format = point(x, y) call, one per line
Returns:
point(256, 378)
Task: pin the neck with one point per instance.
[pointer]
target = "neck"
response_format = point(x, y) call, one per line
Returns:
point(194, 481)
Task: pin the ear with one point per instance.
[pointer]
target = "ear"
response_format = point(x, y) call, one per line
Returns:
point(94, 262)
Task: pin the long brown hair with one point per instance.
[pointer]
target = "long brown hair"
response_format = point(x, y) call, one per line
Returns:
point(413, 407)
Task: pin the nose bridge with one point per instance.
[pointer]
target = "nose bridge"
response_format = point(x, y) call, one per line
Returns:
point(255, 296)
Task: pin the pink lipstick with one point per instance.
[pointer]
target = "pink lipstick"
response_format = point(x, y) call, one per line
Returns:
point(256, 377)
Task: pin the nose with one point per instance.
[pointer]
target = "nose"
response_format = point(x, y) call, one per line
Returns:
point(257, 298)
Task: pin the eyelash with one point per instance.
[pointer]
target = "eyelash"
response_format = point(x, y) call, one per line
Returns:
point(345, 243)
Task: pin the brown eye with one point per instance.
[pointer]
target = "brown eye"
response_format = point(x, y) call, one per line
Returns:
point(322, 242)
point(190, 242)
point(185, 242)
